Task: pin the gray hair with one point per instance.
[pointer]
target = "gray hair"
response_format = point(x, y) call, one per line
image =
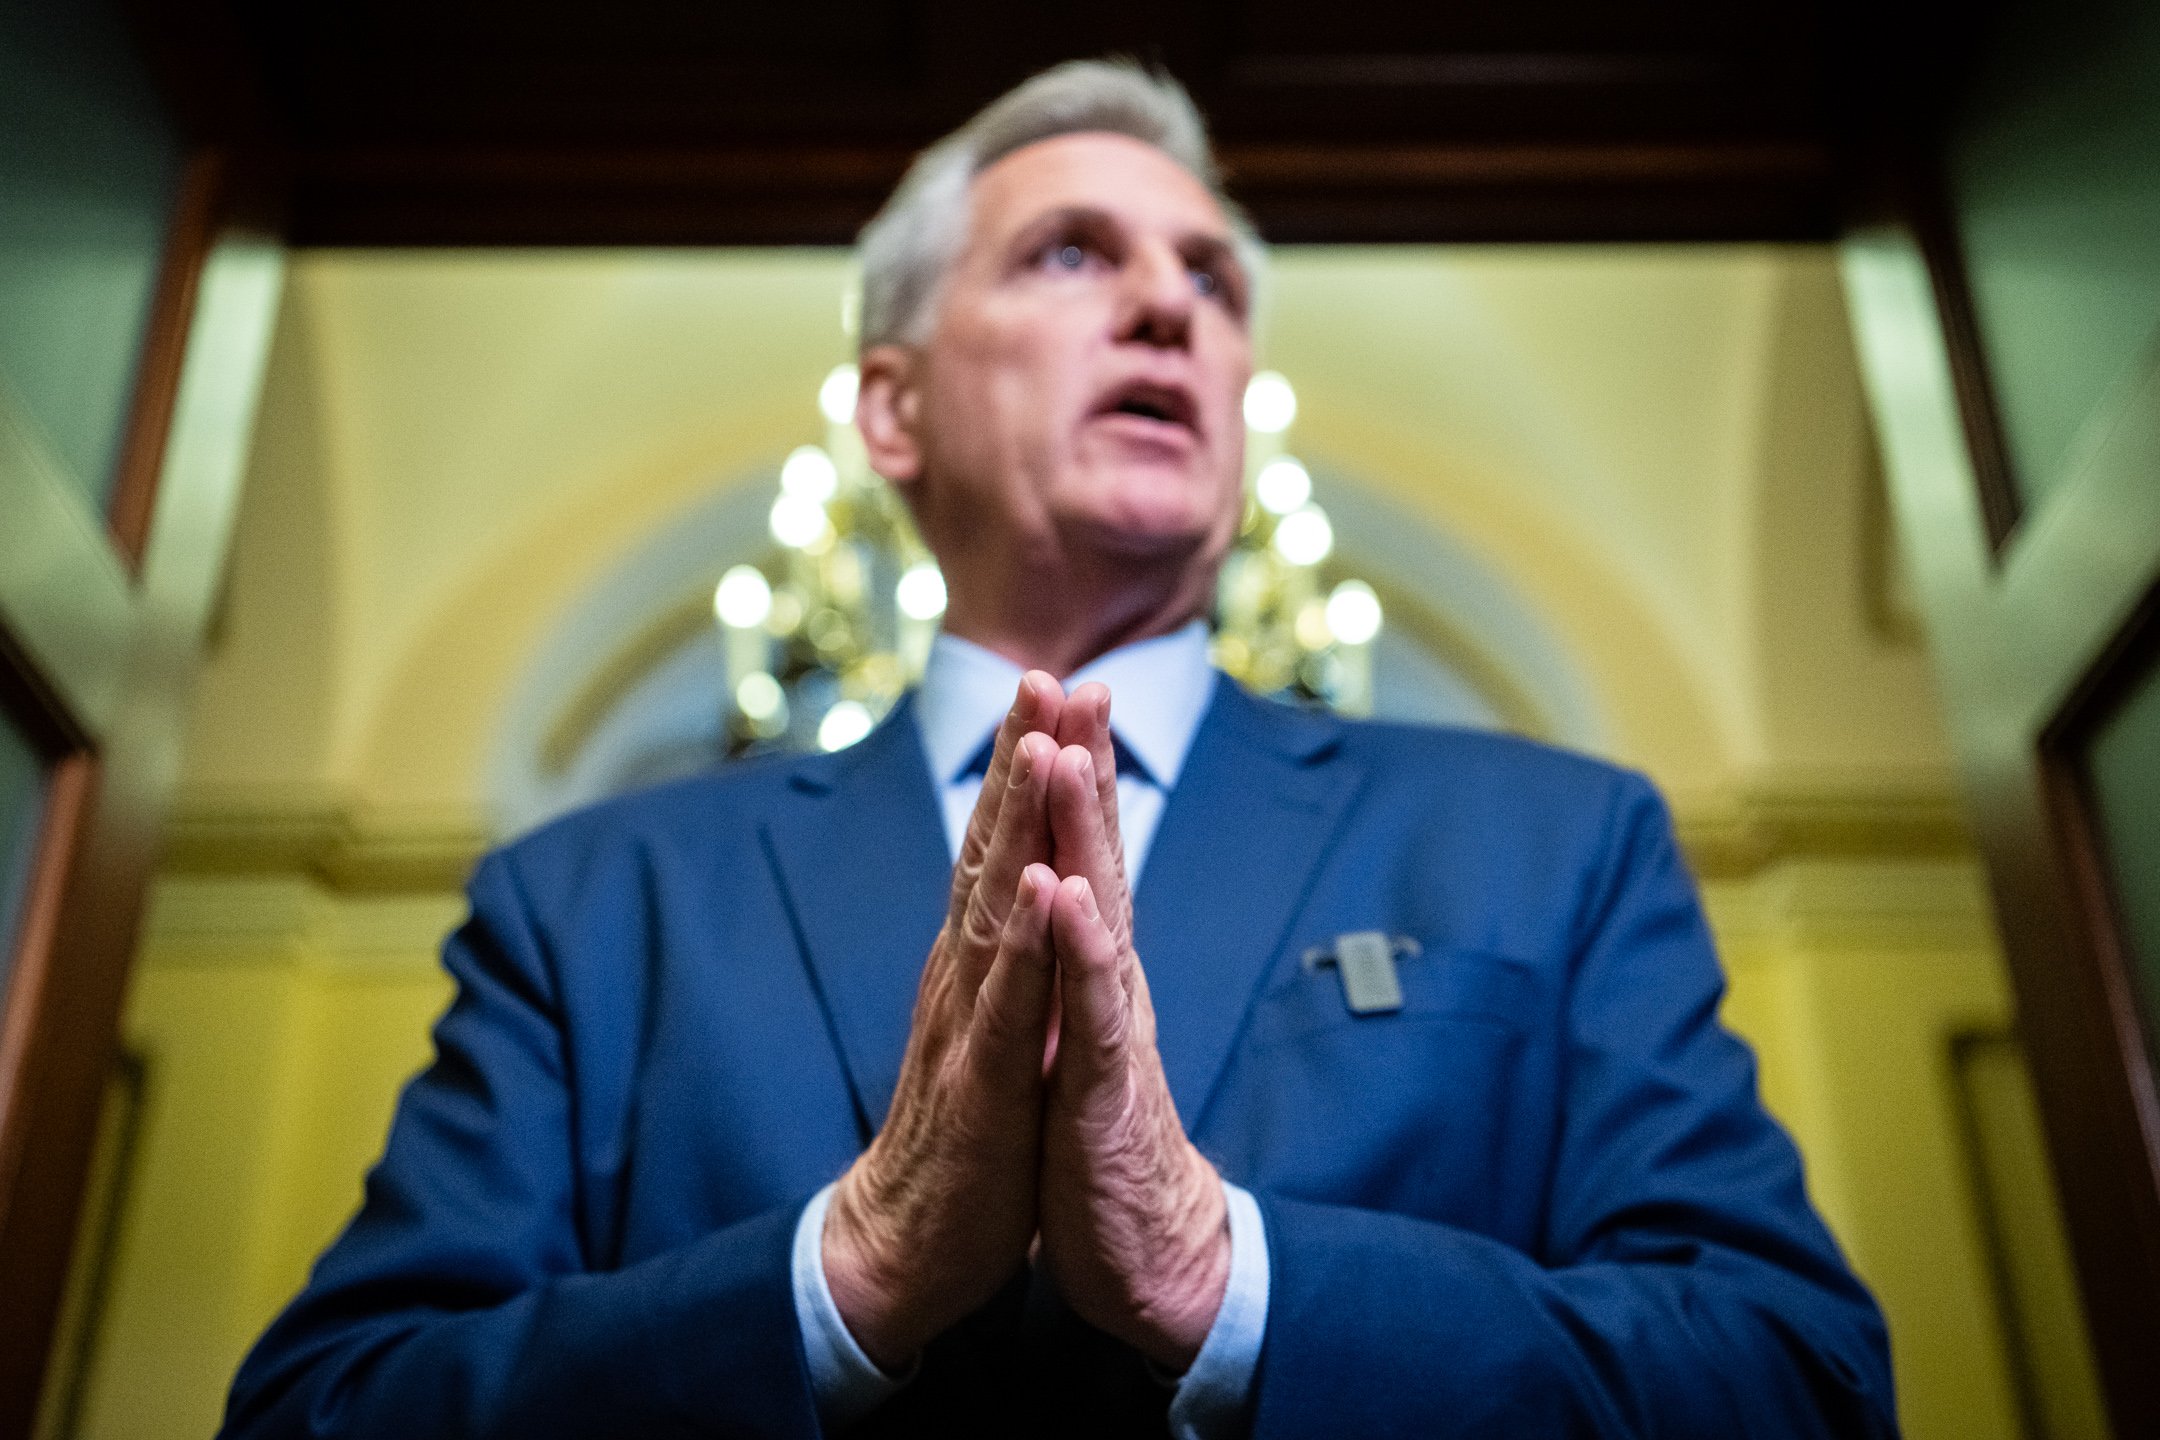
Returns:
point(910, 244)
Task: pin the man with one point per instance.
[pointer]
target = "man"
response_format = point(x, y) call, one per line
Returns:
point(1393, 1102)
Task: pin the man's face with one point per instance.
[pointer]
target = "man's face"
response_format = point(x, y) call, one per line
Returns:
point(1081, 392)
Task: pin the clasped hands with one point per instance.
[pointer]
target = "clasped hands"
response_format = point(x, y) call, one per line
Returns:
point(1031, 1103)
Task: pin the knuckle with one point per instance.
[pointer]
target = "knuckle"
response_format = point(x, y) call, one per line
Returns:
point(1104, 1054)
point(966, 876)
point(979, 927)
point(1111, 1033)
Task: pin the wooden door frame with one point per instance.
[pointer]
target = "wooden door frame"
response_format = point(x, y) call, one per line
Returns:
point(100, 667)
point(2022, 682)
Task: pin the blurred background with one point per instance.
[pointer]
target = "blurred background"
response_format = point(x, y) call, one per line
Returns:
point(418, 420)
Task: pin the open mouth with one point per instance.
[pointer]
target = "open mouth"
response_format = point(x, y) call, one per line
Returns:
point(1152, 400)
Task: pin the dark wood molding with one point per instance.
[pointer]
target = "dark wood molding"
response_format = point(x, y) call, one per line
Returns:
point(2035, 640)
point(2092, 1059)
point(455, 195)
point(1926, 201)
point(1728, 190)
point(101, 837)
point(1297, 193)
point(32, 704)
point(70, 785)
point(36, 1235)
point(640, 124)
point(164, 344)
point(2078, 1018)
point(63, 1034)
point(2131, 657)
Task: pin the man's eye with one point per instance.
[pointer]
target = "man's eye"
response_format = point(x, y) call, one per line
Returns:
point(1067, 257)
point(1206, 282)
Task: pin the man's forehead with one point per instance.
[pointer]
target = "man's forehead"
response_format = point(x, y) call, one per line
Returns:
point(1094, 171)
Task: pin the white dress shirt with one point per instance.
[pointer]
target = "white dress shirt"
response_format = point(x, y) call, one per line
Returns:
point(1159, 689)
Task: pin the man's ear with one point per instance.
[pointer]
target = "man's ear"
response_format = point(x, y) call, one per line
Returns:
point(887, 406)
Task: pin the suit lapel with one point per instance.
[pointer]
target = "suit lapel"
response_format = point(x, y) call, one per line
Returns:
point(1261, 796)
point(862, 865)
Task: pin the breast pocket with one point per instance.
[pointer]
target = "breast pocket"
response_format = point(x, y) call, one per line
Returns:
point(1433, 1109)
point(1438, 983)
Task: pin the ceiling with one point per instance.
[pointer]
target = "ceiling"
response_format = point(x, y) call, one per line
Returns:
point(668, 121)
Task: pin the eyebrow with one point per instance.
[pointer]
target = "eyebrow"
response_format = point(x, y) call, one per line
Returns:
point(1213, 249)
point(1197, 246)
point(1064, 217)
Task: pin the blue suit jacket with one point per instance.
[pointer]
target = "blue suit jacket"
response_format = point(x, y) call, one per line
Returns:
point(1540, 1200)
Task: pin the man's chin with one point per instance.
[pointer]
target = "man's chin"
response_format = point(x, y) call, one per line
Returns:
point(1140, 537)
point(1149, 516)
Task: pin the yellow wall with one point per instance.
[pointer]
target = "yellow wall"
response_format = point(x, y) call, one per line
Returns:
point(275, 1027)
point(1662, 451)
point(1859, 981)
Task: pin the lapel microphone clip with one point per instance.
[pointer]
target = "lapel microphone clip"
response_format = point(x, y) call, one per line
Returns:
point(1364, 961)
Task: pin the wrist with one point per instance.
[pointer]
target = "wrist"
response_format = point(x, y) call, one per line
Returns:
point(865, 1277)
point(1195, 1273)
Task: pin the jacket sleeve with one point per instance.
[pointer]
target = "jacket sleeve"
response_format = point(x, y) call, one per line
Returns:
point(460, 1301)
point(1684, 1286)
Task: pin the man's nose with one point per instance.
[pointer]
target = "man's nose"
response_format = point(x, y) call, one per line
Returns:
point(1158, 299)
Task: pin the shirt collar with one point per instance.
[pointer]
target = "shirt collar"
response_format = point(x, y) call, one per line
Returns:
point(1159, 689)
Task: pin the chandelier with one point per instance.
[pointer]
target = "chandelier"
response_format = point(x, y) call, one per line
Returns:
point(822, 636)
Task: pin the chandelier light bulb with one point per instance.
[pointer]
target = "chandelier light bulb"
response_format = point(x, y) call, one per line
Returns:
point(921, 591)
point(798, 521)
point(743, 598)
point(760, 697)
point(847, 722)
point(1353, 613)
point(1282, 486)
point(1304, 537)
point(810, 473)
point(836, 397)
point(1270, 403)
point(1310, 629)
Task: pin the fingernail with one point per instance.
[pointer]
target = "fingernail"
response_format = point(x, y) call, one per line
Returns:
point(1087, 900)
point(1102, 709)
point(1022, 764)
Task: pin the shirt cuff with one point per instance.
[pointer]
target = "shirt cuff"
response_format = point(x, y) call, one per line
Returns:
point(1211, 1397)
point(845, 1383)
